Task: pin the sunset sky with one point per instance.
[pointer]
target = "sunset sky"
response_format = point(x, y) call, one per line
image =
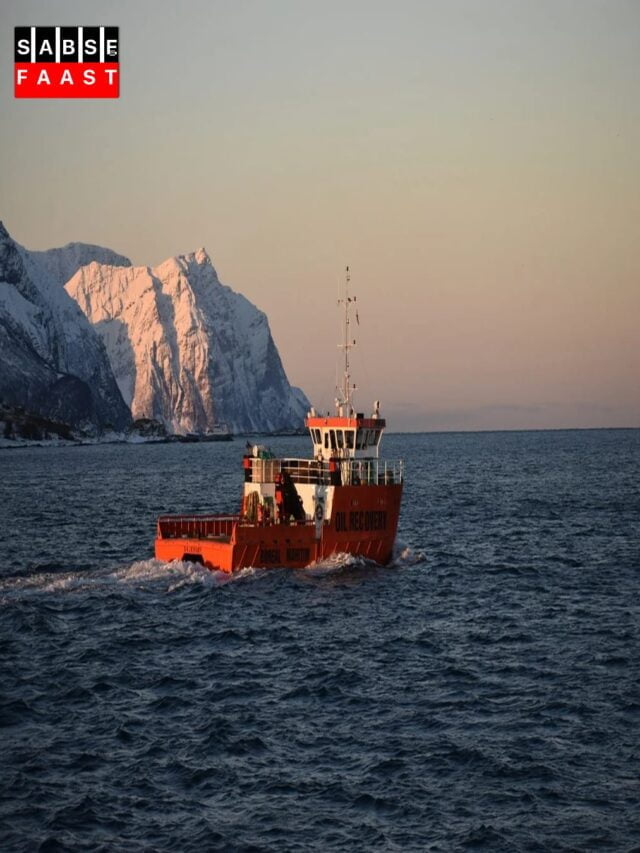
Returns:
point(476, 163)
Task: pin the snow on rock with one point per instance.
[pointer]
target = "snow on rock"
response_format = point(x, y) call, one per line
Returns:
point(52, 362)
point(89, 340)
point(58, 265)
point(185, 349)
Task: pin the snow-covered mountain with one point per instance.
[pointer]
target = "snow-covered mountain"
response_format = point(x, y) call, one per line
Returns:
point(52, 362)
point(185, 349)
point(87, 339)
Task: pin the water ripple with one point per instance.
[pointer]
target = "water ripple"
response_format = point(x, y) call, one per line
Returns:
point(480, 693)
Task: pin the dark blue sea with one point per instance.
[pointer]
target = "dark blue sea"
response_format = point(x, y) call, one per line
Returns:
point(481, 693)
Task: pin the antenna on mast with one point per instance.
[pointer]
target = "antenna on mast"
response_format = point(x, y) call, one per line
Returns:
point(345, 394)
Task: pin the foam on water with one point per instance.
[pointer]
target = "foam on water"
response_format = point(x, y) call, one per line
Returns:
point(150, 575)
point(174, 575)
point(158, 576)
point(404, 555)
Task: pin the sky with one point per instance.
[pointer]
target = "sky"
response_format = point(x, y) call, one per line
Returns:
point(475, 162)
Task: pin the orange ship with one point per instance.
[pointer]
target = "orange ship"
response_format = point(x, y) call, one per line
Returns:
point(294, 512)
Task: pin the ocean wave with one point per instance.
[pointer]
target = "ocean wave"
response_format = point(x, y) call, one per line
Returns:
point(174, 576)
point(404, 555)
point(143, 574)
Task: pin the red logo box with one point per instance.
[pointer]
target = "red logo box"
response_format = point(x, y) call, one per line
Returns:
point(67, 62)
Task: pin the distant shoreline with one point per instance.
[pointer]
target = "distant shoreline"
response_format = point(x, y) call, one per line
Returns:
point(23, 444)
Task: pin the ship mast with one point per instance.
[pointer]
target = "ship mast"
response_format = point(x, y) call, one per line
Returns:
point(345, 394)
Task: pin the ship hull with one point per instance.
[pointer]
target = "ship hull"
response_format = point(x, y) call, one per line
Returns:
point(363, 523)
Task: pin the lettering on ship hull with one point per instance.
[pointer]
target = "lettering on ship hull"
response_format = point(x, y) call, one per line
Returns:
point(361, 520)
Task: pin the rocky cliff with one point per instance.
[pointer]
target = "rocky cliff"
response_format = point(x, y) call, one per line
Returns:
point(89, 340)
point(185, 349)
point(52, 362)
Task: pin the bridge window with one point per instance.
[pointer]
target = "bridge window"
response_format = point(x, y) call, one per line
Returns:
point(317, 437)
point(364, 438)
point(349, 435)
point(332, 438)
point(340, 437)
point(326, 440)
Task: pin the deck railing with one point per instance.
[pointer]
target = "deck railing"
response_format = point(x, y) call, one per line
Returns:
point(196, 526)
point(347, 472)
